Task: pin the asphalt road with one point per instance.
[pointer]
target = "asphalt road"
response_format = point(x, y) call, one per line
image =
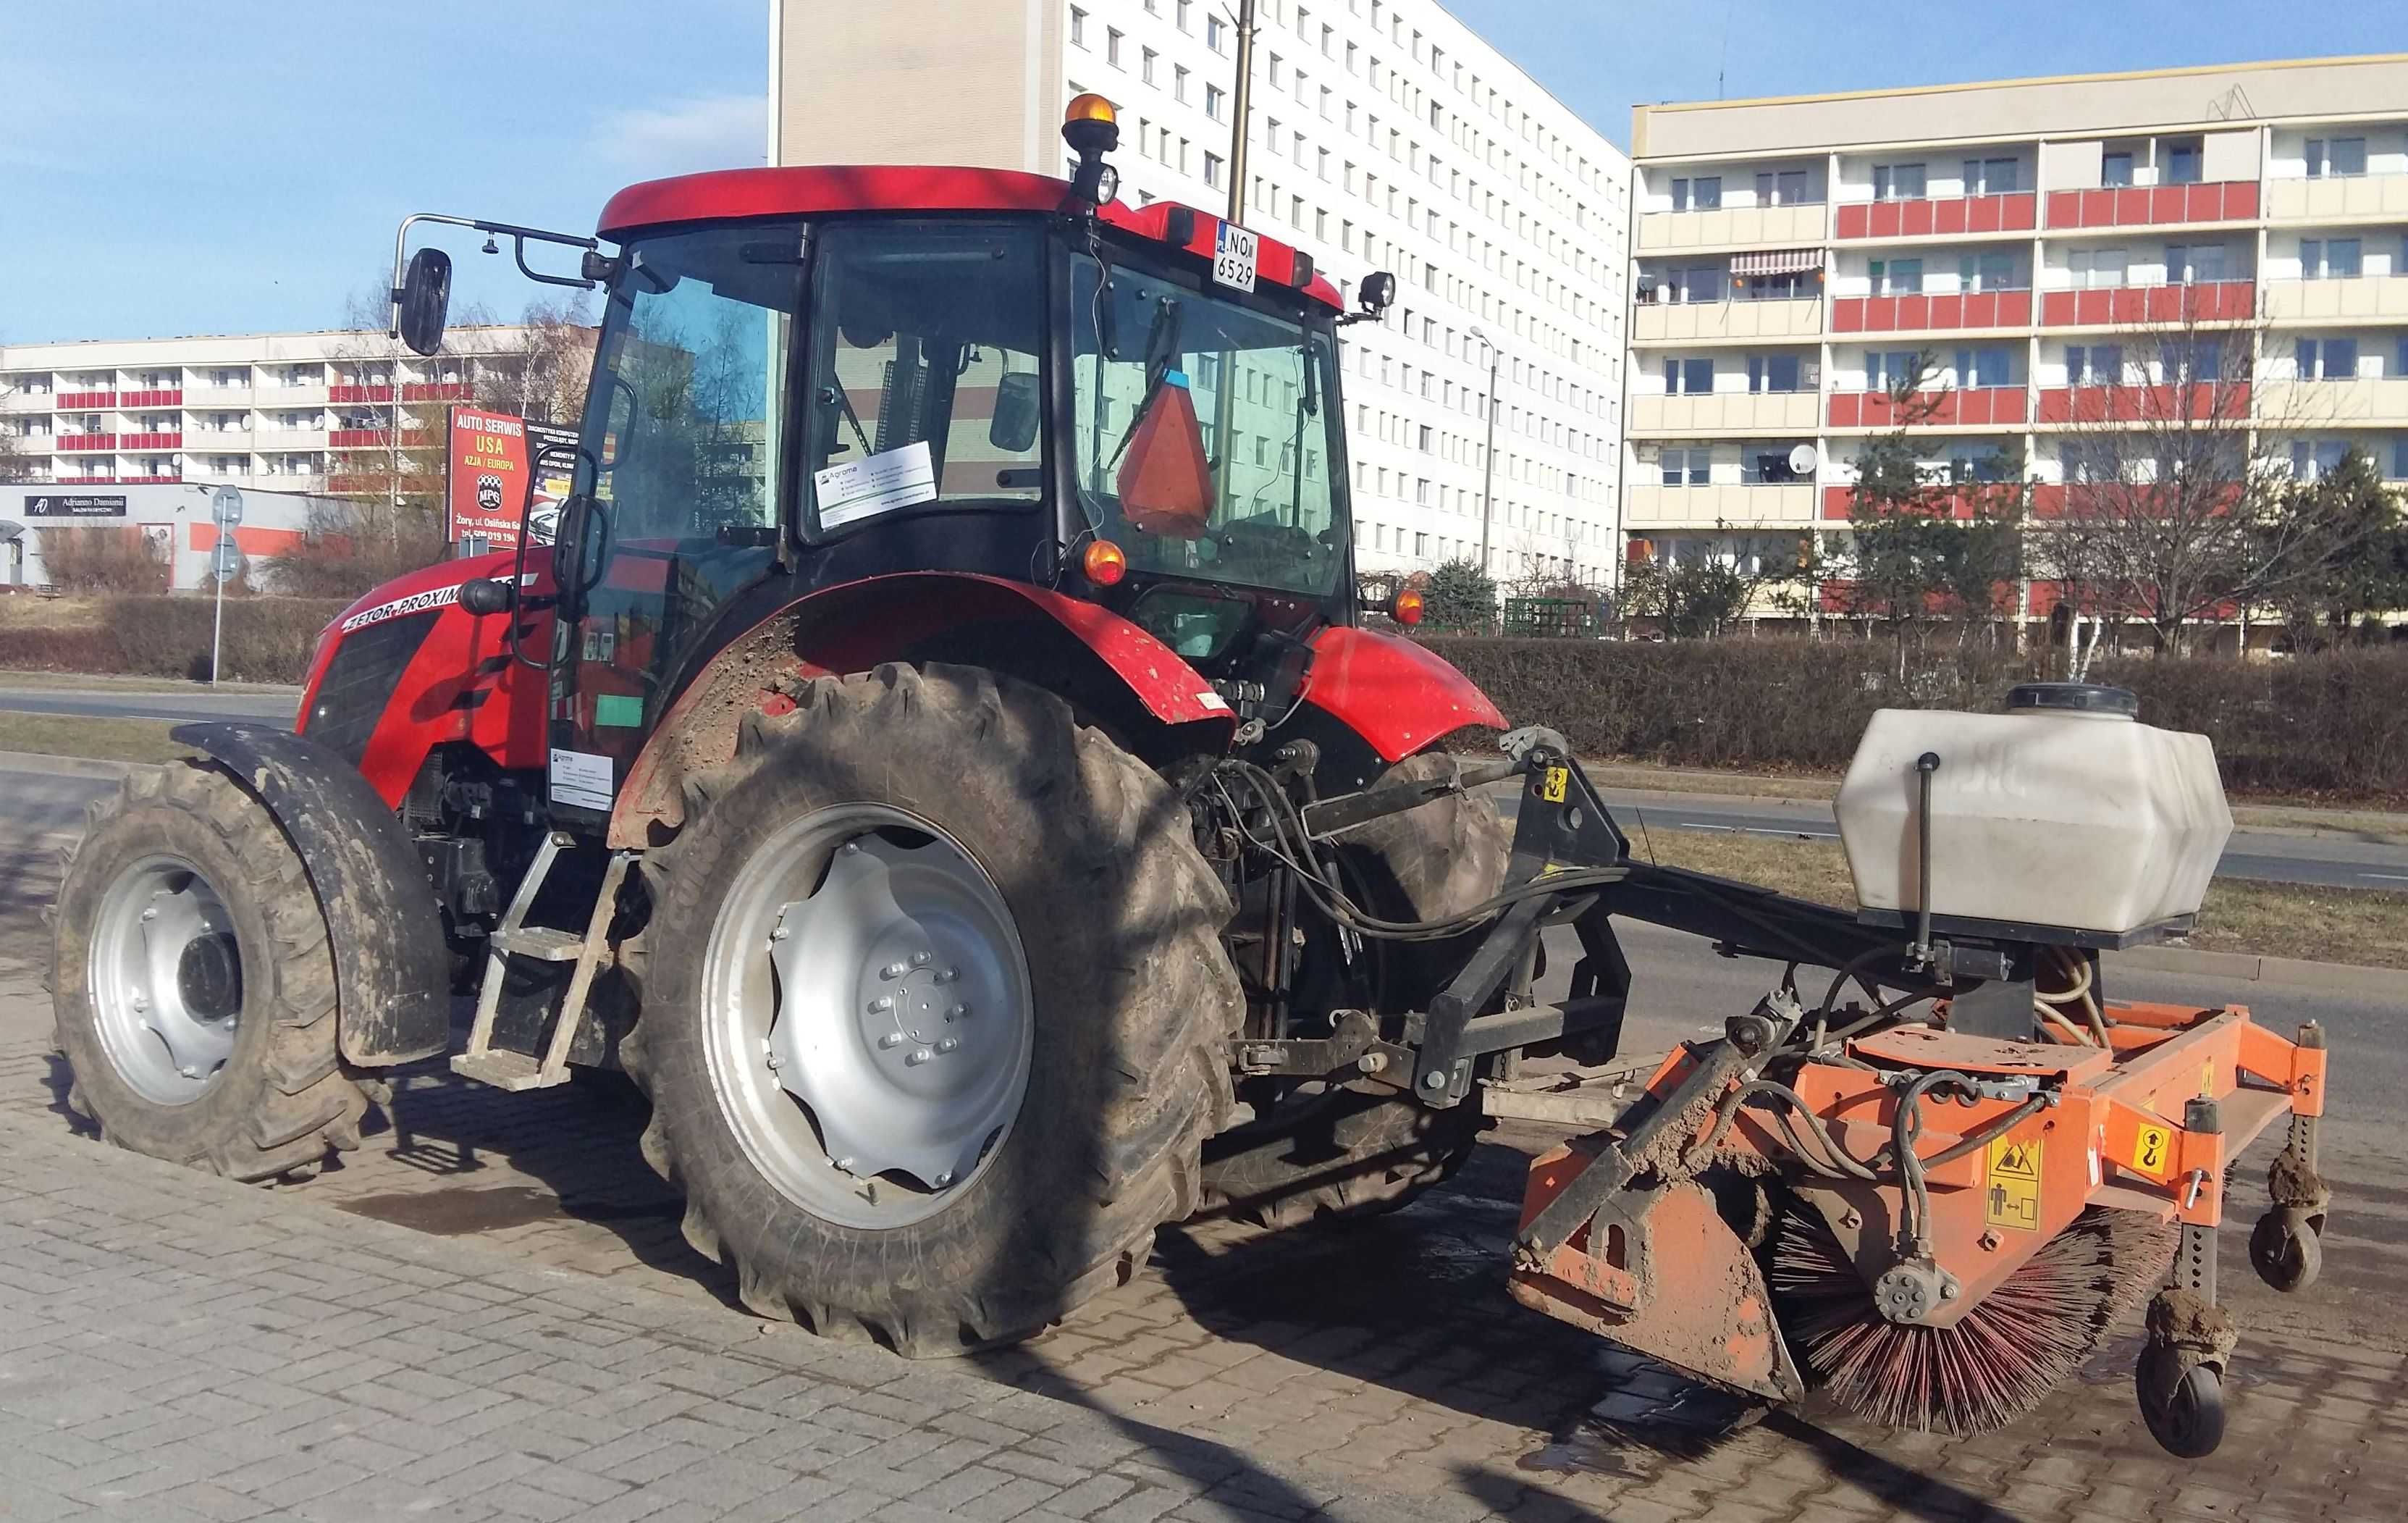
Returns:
point(275, 707)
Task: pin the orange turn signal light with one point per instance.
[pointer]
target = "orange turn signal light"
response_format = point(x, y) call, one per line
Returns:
point(1406, 607)
point(1090, 107)
point(1105, 563)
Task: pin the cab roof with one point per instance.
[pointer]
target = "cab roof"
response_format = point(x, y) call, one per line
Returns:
point(805, 190)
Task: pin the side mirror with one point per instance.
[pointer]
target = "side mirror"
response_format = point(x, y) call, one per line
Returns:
point(423, 301)
point(1013, 427)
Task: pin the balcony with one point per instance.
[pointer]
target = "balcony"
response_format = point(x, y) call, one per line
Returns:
point(2376, 298)
point(2338, 199)
point(359, 394)
point(1977, 407)
point(1909, 315)
point(2132, 306)
point(150, 442)
point(2154, 205)
point(85, 442)
point(169, 479)
point(170, 397)
point(1733, 506)
point(1672, 232)
point(1725, 321)
point(2209, 402)
point(2333, 404)
point(68, 401)
point(358, 439)
point(1727, 412)
point(1926, 219)
point(1837, 500)
point(433, 390)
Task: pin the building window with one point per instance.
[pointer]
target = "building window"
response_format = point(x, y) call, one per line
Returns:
point(1145, 66)
point(2094, 365)
point(1894, 370)
point(1988, 272)
point(2327, 359)
point(1781, 187)
point(1984, 368)
point(1688, 378)
point(1213, 32)
point(1774, 373)
point(1989, 176)
point(1767, 465)
point(1112, 45)
point(2399, 460)
point(1898, 276)
point(2329, 156)
point(1077, 27)
point(1689, 468)
point(2328, 259)
point(1898, 182)
point(1702, 193)
point(2097, 267)
point(1212, 170)
point(1184, 16)
point(2116, 166)
point(1215, 101)
point(2183, 162)
point(1178, 83)
point(2312, 458)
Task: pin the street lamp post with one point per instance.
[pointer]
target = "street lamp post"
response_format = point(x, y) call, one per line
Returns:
point(1488, 462)
point(1241, 97)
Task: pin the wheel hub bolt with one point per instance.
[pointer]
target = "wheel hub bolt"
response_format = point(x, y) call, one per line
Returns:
point(853, 848)
point(946, 975)
point(150, 914)
point(919, 1055)
point(957, 1013)
point(772, 1061)
point(919, 960)
point(892, 1039)
point(893, 970)
point(943, 1180)
point(142, 1002)
point(949, 1044)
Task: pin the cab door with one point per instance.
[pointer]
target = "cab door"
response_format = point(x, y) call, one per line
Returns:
point(680, 488)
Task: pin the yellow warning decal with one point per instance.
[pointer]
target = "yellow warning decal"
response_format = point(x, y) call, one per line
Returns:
point(1553, 785)
point(2152, 1150)
point(2011, 1198)
point(2207, 1078)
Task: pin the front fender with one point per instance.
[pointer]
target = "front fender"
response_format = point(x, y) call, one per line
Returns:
point(1395, 695)
point(392, 975)
point(1113, 671)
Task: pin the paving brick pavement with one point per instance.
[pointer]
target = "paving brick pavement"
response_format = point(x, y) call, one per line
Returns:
point(496, 1287)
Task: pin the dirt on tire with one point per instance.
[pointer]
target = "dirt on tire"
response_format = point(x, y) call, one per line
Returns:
point(1135, 1001)
point(283, 1101)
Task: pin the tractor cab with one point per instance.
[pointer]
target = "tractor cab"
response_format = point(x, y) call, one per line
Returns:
point(808, 378)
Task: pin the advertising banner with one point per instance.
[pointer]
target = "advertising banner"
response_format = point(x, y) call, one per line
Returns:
point(45, 505)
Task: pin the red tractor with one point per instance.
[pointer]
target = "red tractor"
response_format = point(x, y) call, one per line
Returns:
point(937, 757)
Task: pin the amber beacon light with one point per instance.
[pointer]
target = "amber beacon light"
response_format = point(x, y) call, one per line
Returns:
point(1105, 563)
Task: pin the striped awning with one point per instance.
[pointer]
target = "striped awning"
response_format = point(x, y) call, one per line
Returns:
point(1777, 262)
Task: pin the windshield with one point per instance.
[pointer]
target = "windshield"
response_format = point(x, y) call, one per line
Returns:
point(1206, 433)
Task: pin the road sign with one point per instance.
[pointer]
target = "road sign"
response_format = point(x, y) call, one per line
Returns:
point(225, 506)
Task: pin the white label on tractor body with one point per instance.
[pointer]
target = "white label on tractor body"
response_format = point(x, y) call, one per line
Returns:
point(1232, 257)
point(854, 489)
point(581, 779)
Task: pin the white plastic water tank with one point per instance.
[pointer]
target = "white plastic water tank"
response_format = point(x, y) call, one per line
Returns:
point(2065, 811)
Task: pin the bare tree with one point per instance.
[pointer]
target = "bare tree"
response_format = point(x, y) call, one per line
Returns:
point(1698, 596)
point(2177, 508)
point(17, 463)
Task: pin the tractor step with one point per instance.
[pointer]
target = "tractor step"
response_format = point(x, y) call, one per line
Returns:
point(504, 1070)
point(545, 943)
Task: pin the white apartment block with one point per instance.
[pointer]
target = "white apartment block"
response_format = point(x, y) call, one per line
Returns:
point(1795, 255)
point(1381, 135)
point(272, 411)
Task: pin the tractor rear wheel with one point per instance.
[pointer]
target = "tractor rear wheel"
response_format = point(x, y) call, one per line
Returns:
point(938, 1010)
point(194, 986)
point(1360, 1149)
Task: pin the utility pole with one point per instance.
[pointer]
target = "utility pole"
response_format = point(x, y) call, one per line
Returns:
point(1488, 478)
point(1241, 94)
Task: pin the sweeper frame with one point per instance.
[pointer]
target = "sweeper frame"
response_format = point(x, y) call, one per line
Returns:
point(1937, 1206)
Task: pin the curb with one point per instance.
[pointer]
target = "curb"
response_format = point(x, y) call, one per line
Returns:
point(2290, 972)
point(46, 765)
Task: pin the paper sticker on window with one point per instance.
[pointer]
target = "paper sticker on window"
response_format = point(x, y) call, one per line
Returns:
point(581, 779)
point(853, 490)
point(1232, 257)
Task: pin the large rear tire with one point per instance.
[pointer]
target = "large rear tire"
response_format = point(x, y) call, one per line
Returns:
point(1361, 1149)
point(938, 1010)
point(193, 983)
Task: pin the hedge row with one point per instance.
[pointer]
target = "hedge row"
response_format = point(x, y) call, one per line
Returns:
point(2332, 726)
point(266, 640)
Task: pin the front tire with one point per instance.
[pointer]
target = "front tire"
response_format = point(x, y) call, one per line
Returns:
point(938, 1013)
point(193, 983)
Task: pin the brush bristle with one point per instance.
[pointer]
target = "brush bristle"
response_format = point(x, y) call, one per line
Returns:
point(2000, 1361)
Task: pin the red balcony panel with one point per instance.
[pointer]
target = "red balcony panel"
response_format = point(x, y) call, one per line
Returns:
point(1951, 216)
point(1835, 502)
point(435, 391)
point(359, 394)
point(357, 439)
point(150, 481)
point(1914, 311)
point(151, 441)
point(86, 399)
point(2047, 498)
point(1848, 316)
point(2240, 200)
point(1915, 219)
point(84, 441)
point(1854, 219)
point(2015, 309)
point(170, 397)
point(1886, 219)
point(2175, 203)
point(1846, 409)
point(2136, 404)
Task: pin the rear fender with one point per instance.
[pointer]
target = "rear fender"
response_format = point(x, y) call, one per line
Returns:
point(1115, 673)
point(391, 994)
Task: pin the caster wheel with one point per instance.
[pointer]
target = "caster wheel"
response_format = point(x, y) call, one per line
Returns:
point(2285, 1249)
point(2184, 1408)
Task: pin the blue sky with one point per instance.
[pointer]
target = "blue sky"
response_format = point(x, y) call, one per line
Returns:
point(171, 168)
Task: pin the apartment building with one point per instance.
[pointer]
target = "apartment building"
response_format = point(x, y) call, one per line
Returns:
point(1381, 135)
point(1795, 256)
point(271, 411)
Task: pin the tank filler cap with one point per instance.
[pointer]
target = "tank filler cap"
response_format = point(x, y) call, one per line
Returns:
point(2091, 699)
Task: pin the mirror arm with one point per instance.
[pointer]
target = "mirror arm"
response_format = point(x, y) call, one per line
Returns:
point(518, 237)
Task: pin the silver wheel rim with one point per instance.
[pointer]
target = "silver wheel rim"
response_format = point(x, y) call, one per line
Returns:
point(167, 980)
point(866, 1015)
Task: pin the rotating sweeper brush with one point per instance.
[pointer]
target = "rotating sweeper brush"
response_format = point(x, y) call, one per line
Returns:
point(1935, 1199)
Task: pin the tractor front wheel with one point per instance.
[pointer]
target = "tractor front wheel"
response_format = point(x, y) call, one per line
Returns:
point(937, 1017)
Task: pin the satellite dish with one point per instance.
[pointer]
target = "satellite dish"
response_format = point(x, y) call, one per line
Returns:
point(1802, 460)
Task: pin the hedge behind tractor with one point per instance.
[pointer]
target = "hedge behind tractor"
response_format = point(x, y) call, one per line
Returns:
point(938, 757)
